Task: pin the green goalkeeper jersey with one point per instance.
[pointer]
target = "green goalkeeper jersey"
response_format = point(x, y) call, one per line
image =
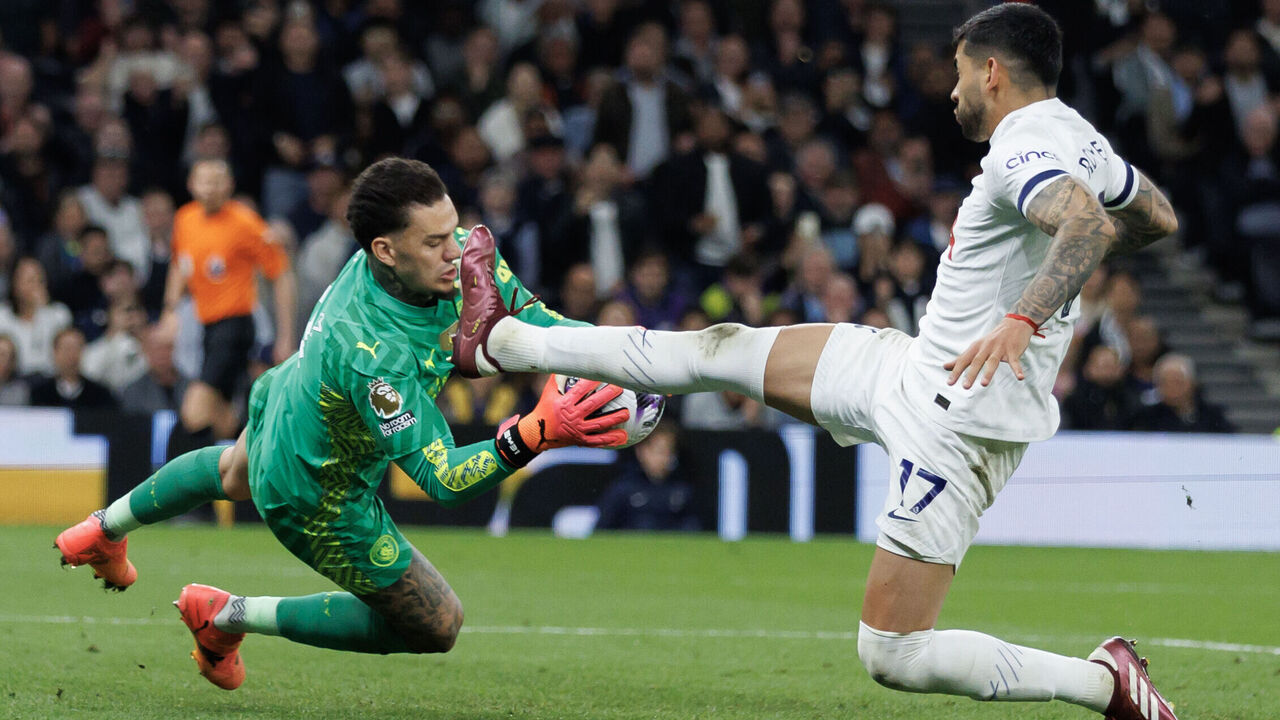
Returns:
point(360, 393)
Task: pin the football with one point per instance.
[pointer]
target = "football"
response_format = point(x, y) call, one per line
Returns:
point(646, 410)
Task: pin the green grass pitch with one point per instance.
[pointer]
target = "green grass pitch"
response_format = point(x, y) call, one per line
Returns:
point(638, 626)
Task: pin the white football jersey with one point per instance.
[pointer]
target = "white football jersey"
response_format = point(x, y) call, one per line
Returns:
point(993, 254)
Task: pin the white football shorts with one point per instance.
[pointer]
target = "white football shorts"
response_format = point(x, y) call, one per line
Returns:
point(940, 481)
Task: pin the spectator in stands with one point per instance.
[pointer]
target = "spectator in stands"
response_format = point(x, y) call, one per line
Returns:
point(872, 164)
point(157, 213)
point(733, 63)
point(1102, 400)
point(739, 296)
point(874, 227)
point(653, 492)
point(31, 180)
point(481, 82)
point(1145, 347)
point(1124, 294)
point(401, 117)
point(616, 313)
point(840, 300)
point(645, 116)
point(578, 292)
point(365, 77)
point(14, 389)
point(558, 64)
point(30, 319)
point(116, 359)
point(192, 86)
point(219, 245)
point(162, 386)
point(306, 111)
point(1252, 182)
point(695, 46)
point(605, 224)
point(712, 203)
point(116, 283)
point(656, 303)
point(502, 123)
point(1247, 89)
point(468, 158)
point(322, 255)
point(159, 116)
point(836, 207)
point(912, 277)
point(67, 387)
point(1180, 407)
point(59, 249)
point(324, 183)
point(786, 52)
point(542, 197)
point(82, 292)
point(516, 234)
point(809, 286)
point(107, 203)
point(933, 229)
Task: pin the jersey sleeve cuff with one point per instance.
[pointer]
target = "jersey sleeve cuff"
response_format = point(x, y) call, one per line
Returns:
point(1126, 195)
point(1033, 187)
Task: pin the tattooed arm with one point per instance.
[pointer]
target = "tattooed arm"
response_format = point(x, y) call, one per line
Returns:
point(1082, 235)
point(1146, 219)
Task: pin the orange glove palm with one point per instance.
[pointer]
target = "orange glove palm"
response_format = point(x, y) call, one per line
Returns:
point(560, 420)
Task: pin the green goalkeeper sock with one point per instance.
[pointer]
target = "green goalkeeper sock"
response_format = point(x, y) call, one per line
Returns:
point(183, 484)
point(338, 621)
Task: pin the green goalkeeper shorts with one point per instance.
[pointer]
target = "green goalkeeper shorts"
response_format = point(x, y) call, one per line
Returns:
point(329, 517)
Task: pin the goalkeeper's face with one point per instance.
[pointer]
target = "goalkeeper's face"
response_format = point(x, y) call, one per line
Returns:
point(423, 256)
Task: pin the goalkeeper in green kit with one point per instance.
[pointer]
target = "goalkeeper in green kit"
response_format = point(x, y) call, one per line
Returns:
point(323, 427)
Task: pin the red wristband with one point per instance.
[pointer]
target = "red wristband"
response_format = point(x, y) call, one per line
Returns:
point(1035, 329)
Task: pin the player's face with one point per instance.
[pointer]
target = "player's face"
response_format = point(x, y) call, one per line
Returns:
point(425, 251)
point(967, 95)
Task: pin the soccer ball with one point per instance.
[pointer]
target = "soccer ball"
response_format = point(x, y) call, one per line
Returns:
point(646, 410)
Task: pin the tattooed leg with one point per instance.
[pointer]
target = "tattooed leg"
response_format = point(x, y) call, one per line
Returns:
point(420, 607)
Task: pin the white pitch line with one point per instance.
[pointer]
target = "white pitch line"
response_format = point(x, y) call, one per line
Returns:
point(670, 633)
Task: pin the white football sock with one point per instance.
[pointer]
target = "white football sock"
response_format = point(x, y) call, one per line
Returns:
point(721, 357)
point(118, 520)
point(249, 614)
point(961, 662)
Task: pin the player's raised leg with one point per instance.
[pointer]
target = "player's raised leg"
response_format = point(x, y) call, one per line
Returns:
point(768, 364)
point(181, 485)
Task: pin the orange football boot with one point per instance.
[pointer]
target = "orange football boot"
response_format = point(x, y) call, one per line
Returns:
point(85, 543)
point(217, 652)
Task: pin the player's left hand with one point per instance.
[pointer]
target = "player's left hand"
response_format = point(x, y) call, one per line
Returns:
point(1005, 343)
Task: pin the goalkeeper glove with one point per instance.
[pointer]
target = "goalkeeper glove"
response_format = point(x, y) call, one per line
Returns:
point(564, 419)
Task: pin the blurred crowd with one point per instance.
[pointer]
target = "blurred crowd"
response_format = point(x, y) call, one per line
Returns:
point(671, 163)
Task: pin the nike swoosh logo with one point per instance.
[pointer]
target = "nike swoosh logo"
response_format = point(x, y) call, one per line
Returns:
point(894, 514)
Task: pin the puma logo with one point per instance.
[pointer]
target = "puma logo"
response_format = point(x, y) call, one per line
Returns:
point(372, 350)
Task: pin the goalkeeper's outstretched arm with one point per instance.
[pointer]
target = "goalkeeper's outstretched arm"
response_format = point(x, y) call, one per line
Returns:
point(1146, 219)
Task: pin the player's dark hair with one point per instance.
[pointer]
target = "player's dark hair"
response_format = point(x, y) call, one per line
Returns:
point(382, 194)
point(1026, 36)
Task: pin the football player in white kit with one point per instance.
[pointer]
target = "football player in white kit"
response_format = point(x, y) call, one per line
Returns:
point(954, 407)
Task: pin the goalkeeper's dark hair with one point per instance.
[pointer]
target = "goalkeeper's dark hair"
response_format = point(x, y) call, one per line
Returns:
point(382, 194)
point(1020, 34)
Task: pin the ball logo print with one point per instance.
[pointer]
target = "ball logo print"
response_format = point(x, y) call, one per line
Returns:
point(384, 399)
point(645, 410)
